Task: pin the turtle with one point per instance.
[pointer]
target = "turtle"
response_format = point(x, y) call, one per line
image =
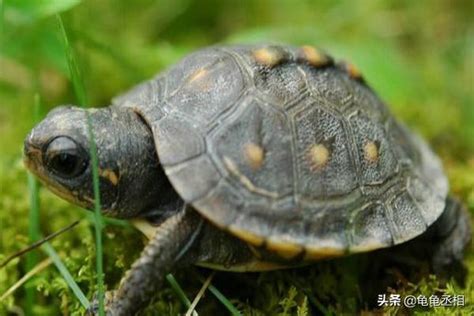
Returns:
point(250, 158)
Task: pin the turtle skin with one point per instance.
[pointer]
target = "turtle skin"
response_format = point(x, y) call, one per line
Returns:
point(290, 151)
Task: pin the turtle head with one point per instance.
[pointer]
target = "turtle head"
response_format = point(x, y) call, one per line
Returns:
point(58, 152)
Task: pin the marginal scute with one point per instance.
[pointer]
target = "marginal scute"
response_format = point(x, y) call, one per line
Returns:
point(322, 252)
point(429, 202)
point(369, 229)
point(247, 236)
point(407, 221)
point(194, 179)
point(220, 204)
point(286, 250)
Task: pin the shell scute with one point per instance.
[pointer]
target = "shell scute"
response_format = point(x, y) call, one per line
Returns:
point(286, 148)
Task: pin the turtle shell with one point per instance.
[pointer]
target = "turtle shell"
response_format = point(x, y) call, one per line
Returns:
point(288, 150)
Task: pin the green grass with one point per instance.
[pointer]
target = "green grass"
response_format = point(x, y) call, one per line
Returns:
point(81, 96)
point(224, 300)
point(416, 55)
point(178, 290)
point(66, 275)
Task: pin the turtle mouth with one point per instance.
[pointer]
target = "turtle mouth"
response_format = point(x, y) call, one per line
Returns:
point(32, 158)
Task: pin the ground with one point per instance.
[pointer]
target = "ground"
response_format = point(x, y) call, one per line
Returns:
point(418, 56)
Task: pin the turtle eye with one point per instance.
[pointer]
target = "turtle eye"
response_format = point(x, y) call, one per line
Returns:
point(65, 157)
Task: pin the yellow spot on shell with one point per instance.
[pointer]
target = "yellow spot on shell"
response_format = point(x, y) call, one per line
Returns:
point(371, 152)
point(246, 236)
point(284, 249)
point(319, 156)
point(313, 56)
point(254, 155)
point(353, 71)
point(268, 56)
point(200, 79)
point(109, 175)
point(199, 74)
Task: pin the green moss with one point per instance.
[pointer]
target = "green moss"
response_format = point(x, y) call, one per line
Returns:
point(418, 57)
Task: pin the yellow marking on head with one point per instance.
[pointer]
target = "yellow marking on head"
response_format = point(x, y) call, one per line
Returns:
point(319, 156)
point(284, 249)
point(109, 175)
point(371, 152)
point(353, 71)
point(267, 56)
point(316, 253)
point(246, 235)
point(313, 56)
point(254, 155)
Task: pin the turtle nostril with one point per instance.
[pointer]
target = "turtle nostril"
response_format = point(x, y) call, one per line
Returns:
point(27, 150)
point(31, 154)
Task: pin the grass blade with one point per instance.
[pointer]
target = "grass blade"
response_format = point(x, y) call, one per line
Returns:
point(66, 275)
point(80, 92)
point(227, 304)
point(230, 307)
point(74, 70)
point(98, 216)
point(36, 244)
point(1, 21)
point(36, 269)
point(200, 294)
point(179, 291)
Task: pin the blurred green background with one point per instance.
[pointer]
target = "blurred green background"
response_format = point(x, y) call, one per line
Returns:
point(417, 55)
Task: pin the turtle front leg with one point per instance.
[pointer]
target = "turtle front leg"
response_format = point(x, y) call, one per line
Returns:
point(171, 242)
